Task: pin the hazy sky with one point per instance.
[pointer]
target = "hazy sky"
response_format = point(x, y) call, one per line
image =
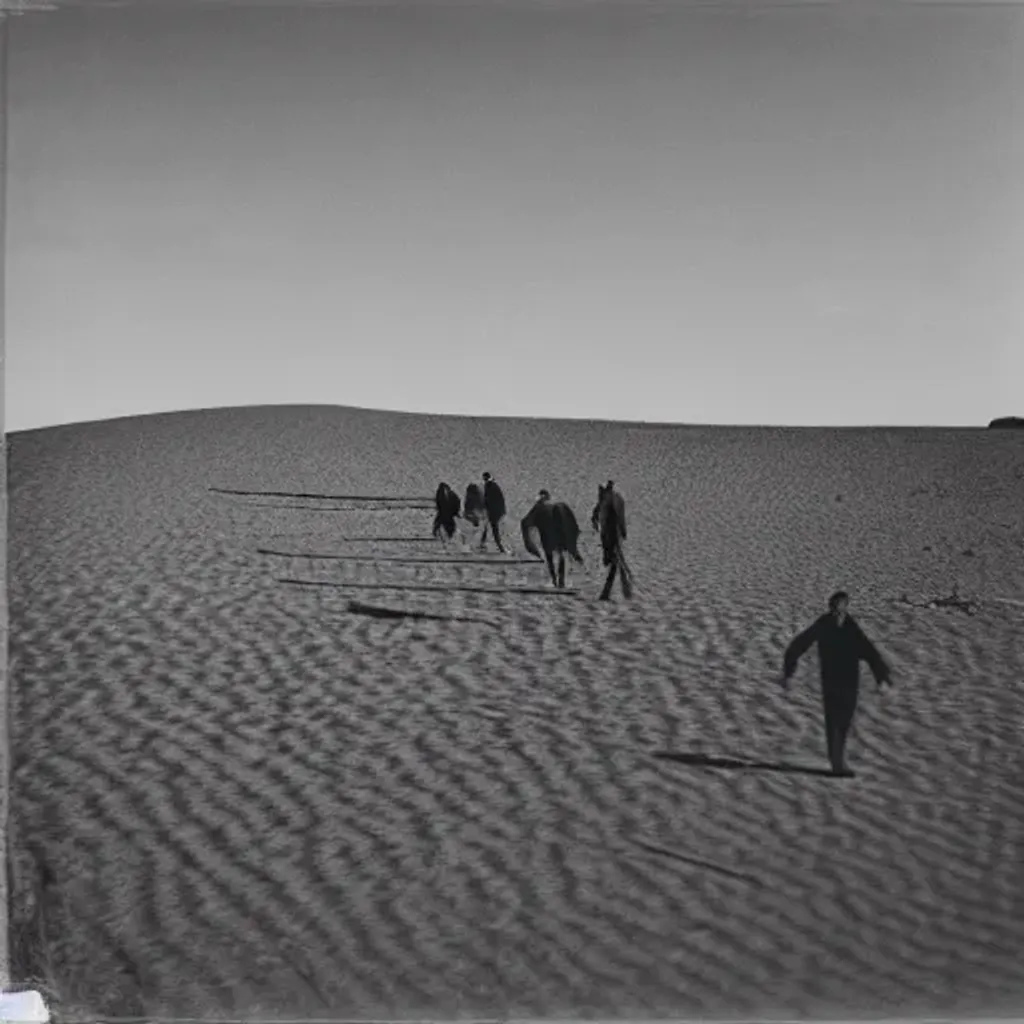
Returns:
point(800, 214)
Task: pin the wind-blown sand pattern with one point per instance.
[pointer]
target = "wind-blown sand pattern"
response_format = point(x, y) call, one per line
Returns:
point(236, 796)
point(4, 730)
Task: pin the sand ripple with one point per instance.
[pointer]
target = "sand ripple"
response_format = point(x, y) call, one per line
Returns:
point(249, 800)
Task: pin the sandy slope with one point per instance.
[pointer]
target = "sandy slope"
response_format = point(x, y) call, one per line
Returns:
point(231, 795)
point(4, 725)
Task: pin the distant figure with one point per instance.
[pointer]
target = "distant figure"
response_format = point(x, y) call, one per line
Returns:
point(494, 506)
point(842, 645)
point(447, 504)
point(559, 532)
point(609, 518)
point(473, 506)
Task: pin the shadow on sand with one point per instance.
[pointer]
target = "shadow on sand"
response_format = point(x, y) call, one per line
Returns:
point(741, 764)
point(697, 862)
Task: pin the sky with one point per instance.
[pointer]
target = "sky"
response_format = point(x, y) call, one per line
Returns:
point(796, 214)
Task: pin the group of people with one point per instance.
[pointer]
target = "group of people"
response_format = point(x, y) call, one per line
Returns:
point(554, 522)
point(482, 505)
point(841, 642)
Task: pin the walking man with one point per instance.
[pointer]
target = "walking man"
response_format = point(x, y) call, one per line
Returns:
point(842, 646)
point(494, 507)
point(609, 518)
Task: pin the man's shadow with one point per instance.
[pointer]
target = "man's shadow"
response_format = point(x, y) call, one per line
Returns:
point(740, 764)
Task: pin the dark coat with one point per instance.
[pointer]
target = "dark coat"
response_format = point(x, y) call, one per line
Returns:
point(447, 506)
point(557, 526)
point(447, 502)
point(840, 651)
point(610, 517)
point(473, 506)
point(494, 501)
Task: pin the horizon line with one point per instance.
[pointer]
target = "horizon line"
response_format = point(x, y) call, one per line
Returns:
point(597, 421)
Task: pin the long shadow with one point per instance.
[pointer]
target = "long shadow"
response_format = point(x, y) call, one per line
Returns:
point(412, 559)
point(364, 507)
point(697, 862)
point(389, 498)
point(741, 764)
point(439, 588)
point(379, 612)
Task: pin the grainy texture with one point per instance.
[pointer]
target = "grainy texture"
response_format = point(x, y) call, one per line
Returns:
point(4, 724)
point(234, 796)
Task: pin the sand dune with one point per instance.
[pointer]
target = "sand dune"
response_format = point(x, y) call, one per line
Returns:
point(232, 795)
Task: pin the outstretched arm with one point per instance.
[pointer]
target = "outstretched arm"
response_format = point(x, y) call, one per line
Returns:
point(870, 654)
point(798, 647)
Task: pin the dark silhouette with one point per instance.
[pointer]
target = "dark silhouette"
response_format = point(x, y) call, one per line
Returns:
point(494, 506)
point(473, 505)
point(609, 519)
point(448, 506)
point(842, 646)
point(559, 532)
point(1007, 421)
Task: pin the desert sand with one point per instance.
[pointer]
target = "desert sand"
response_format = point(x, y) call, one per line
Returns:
point(233, 796)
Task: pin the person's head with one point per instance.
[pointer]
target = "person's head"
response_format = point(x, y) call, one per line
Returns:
point(838, 606)
point(544, 495)
point(487, 476)
point(609, 485)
